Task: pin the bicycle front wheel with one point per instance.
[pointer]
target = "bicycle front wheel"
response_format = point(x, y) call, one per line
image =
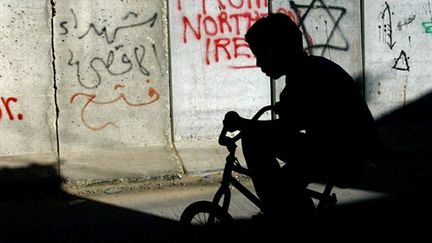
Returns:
point(204, 218)
point(204, 213)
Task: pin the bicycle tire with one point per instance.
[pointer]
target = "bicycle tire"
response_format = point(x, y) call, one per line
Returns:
point(204, 218)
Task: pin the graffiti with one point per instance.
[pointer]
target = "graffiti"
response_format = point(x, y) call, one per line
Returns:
point(120, 59)
point(5, 106)
point(131, 14)
point(91, 99)
point(386, 29)
point(328, 38)
point(429, 10)
point(428, 27)
point(334, 15)
point(222, 33)
point(103, 31)
point(406, 22)
point(401, 63)
point(139, 51)
point(386, 35)
point(63, 24)
point(224, 4)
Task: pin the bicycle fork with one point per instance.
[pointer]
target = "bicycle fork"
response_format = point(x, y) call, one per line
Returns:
point(224, 190)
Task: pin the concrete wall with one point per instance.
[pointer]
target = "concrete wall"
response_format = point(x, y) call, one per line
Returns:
point(111, 78)
point(397, 43)
point(27, 109)
point(131, 77)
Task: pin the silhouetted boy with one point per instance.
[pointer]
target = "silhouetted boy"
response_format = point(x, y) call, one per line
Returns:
point(324, 130)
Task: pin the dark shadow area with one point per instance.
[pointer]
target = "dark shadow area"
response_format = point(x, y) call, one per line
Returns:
point(402, 174)
point(416, 113)
point(34, 208)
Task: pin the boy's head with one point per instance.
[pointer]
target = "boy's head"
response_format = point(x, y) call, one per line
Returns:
point(275, 40)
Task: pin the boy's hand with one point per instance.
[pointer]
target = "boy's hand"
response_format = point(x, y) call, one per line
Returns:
point(232, 121)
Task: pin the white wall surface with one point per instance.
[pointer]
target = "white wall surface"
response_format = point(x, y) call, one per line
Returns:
point(213, 70)
point(27, 109)
point(113, 78)
point(398, 41)
point(112, 73)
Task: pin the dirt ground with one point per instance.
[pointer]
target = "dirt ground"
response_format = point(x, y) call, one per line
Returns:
point(152, 185)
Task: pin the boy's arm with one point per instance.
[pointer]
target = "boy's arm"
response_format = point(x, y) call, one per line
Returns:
point(234, 122)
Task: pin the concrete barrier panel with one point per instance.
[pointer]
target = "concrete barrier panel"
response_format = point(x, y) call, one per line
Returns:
point(27, 107)
point(398, 37)
point(213, 70)
point(113, 79)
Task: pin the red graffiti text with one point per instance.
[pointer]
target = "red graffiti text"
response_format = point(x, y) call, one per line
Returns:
point(222, 33)
point(6, 111)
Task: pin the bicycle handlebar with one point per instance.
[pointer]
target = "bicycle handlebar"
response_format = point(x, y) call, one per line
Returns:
point(225, 141)
point(261, 112)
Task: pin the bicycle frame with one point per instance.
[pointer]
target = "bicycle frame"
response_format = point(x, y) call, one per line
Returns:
point(232, 164)
point(325, 198)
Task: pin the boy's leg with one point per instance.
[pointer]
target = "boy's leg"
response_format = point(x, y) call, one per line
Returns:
point(281, 190)
point(265, 170)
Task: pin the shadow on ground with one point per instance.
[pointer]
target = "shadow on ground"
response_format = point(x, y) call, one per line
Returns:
point(34, 208)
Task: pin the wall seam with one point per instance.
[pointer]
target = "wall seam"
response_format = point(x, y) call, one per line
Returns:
point(53, 65)
point(272, 80)
point(170, 91)
point(363, 51)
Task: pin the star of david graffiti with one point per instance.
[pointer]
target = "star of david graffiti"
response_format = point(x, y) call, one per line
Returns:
point(334, 13)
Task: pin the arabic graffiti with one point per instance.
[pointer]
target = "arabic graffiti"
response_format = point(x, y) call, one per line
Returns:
point(139, 51)
point(5, 106)
point(122, 58)
point(91, 99)
point(103, 31)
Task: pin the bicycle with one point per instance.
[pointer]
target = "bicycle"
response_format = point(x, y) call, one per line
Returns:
point(215, 212)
